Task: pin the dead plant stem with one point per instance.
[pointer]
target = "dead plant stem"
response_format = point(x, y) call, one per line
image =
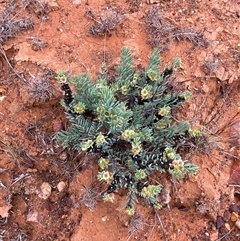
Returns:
point(225, 235)
point(15, 72)
point(161, 224)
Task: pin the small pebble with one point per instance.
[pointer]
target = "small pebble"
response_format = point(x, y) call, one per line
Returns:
point(61, 186)
point(219, 222)
point(234, 217)
point(227, 226)
point(226, 216)
point(104, 219)
point(233, 208)
point(33, 217)
point(45, 190)
point(237, 223)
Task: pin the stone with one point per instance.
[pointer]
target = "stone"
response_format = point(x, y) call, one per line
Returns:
point(61, 186)
point(45, 190)
point(33, 217)
point(234, 217)
point(237, 223)
point(77, 2)
point(4, 210)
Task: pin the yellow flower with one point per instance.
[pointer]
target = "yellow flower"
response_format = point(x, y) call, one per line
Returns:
point(108, 197)
point(136, 148)
point(145, 94)
point(100, 140)
point(178, 164)
point(153, 75)
point(151, 191)
point(105, 176)
point(79, 108)
point(99, 86)
point(164, 111)
point(128, 134)
point(103, 163)
point(170, 152)
point(86, 145)
point(194, 133)
point(140, 174)
point(124, 89)
point(100, 111)
point(129, 210)
point(135, 79)
point(161, 124)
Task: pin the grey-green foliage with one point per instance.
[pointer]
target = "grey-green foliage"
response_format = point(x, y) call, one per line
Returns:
point(128, 123)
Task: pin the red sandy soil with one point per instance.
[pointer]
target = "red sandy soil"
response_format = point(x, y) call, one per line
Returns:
point(197, 208)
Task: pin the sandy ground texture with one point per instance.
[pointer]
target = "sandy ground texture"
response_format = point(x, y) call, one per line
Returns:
point(43, 188)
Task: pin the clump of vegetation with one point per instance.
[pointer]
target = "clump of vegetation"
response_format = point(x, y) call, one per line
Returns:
point(90, 196)
point(106, 25)
point(211, 66)
point(128, 124)
point(40, 8)
point(10, 25)
point(162, 32)
point(136, 224)
point(40, 88)
point(37, 43)
point(134, 5)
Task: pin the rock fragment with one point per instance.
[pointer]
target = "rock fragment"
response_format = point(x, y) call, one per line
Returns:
point(61, 186)
point(45, 190)
point(33, 217)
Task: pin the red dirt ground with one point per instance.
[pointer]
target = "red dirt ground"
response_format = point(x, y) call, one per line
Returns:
point(197, 208)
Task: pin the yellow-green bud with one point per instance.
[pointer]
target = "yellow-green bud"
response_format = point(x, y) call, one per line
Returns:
point(136, 148)
point(164, 111)
point(146, 94)
point(124, 89)
point(129, 210)
point(100, 140)
point(86, 145)
point(103, 163)
point(79, 108)
point(105, 176)
point(140, 174)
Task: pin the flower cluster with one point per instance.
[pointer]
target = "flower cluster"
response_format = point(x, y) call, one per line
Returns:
point(79, 108)
point(151, 191)
point(128, 135)
point(103, 163)
point(140, 174)
point(146, 93)
point(194, 133)
point(164, 111)
point(105, 176)
point(136, 148)
point(100, 140)
point(124, 89)
point(153, 75)
point(108, 197)
point(177, 168)
point(86, 145)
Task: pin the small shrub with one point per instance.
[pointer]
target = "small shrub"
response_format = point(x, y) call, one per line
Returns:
point(136, 224)
point(162, 32)
point(105, 25)
point(41, 89)
point(128, 124)
point(37, 43)
point(211, 66)
point(90, 196)
point(10, 25)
